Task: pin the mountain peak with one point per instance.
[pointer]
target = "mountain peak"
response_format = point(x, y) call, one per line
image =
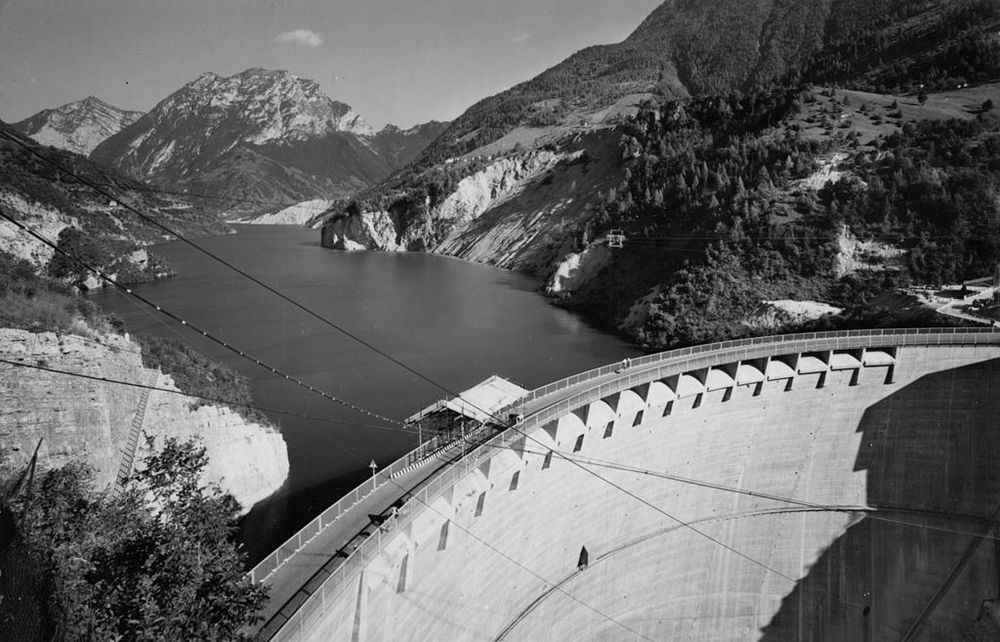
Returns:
point(78, 126)
point(267, 73)
point(257, 133)
point(270, 106)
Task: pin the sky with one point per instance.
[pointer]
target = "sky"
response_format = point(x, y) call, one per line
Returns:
point(394, 61)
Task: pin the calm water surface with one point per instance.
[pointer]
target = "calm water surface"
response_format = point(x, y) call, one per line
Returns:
point(455, 322)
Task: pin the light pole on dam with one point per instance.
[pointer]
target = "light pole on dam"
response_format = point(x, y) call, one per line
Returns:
point(823, 486)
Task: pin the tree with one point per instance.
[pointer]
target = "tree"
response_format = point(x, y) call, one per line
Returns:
point(987, 105)
point(81, 245)
point(156, 562)
point(922, 97)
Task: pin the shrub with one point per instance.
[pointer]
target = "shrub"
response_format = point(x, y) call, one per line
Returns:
point(32, 302)
point(197, 375)
point(158, 562)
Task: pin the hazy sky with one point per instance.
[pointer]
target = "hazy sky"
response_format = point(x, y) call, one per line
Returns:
point(399, 61)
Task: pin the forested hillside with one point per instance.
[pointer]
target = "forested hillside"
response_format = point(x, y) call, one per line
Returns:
point(53, 192)
point(717, 224)
point(711, 47)
point(897, 46)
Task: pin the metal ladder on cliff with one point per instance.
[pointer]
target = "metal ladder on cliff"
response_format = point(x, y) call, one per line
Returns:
point(128, 452)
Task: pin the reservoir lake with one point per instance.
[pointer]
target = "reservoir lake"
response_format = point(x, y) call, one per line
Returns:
point(455, 322)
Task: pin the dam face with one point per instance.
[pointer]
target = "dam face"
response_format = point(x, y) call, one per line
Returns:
point(800, 497)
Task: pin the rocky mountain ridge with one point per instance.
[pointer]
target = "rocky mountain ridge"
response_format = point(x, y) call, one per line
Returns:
point(258, 135)
point(79, 126)
point(50, 197)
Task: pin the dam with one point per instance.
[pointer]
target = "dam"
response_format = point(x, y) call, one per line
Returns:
point(824, 486)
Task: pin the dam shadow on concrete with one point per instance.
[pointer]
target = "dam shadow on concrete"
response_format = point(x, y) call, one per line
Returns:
point(922, 561)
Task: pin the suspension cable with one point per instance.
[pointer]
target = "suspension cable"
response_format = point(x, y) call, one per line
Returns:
point(243, 354)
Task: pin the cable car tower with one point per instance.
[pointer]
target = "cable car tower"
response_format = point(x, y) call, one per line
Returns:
point(616, 239)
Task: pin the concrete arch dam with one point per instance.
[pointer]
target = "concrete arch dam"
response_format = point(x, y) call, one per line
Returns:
point(836, 486)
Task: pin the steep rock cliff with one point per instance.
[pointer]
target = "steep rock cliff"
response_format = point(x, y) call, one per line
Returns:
point(577, 269)
point(363, 231)
point(47, 221)
point(78, 126)
point(442, 228)
point(90, 420)
point(298, 214)
point(523, 211)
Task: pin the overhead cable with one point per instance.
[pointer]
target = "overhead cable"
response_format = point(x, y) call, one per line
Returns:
point(384, 354)
point(107, 279)
point(215, 400)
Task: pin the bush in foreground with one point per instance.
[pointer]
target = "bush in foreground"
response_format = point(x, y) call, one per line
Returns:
point(157, 562)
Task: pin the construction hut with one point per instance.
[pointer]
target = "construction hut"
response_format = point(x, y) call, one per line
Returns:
point(472, 408)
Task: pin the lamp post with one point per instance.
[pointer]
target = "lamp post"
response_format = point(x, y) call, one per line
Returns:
point(373, 466)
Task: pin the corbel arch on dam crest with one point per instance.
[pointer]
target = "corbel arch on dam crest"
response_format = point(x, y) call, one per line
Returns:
point(850, 374)
point(659, 393)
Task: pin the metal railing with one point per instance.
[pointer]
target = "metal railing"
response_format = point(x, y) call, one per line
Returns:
point(672, 362)
point(295, 543)
point(640, 362)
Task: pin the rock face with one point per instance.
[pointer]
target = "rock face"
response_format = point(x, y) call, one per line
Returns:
point(440, 228)
point(578, 268)
point(36, 194)
point(47, 221)
point(78, 126)
point(363, 231)
point(782, 312)
point(90, 420)
point(259, 134)
point(522, 211)
point(854, 255)
point(298, 214)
